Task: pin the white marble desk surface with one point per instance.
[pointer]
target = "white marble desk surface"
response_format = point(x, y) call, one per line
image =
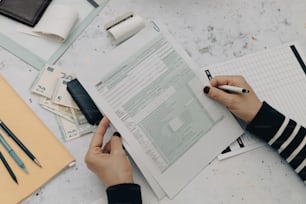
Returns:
point(211, 31)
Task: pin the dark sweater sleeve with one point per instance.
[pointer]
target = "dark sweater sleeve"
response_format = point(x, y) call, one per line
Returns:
point(127, 193)
point(282, 134)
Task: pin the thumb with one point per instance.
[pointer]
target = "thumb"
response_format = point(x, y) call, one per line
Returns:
point(218, 95)
point(116, 144)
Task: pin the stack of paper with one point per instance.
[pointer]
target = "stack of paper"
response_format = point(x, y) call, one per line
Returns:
point(152, 92)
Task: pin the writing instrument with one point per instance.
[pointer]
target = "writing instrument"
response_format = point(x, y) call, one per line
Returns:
point(19, 143)
point(233, 89)
point(8, 168)
point(13, 154)
point(93, 3)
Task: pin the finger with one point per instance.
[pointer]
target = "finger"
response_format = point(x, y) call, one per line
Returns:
point(107, 147)
point(97, 139)
point(227, 80)
point(219, 95)
point(116, 145)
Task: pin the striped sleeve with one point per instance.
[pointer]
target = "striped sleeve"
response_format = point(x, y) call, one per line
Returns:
point(283, 134)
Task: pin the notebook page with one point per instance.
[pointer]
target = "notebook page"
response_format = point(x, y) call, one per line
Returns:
point(275, 75)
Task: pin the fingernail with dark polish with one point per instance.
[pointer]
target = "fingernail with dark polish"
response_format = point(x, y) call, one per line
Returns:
point(117, 134)
point(206, 89)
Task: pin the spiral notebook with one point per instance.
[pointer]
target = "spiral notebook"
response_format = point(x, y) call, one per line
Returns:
point(35, 135)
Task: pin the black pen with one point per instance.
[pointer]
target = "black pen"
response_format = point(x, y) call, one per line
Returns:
point(19, 143)
point(8, 168)
point(93, 3)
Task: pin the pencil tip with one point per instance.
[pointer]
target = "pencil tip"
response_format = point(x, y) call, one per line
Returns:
point(38, 163)
point(25, 170)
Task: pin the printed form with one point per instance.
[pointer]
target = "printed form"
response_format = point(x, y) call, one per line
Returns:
point(152, 92)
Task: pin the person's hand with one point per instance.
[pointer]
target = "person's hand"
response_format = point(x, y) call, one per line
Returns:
point(111, 164)
point(245, 106)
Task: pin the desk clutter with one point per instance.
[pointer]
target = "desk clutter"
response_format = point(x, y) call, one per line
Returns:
point(29, 165)
point(51, 86)
point(58, 27)
point(50, 21)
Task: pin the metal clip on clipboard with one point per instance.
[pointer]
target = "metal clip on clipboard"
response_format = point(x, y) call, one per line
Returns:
point(124, 27)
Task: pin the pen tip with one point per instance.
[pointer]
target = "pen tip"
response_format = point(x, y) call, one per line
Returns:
point(245, 91)
point(15, 179)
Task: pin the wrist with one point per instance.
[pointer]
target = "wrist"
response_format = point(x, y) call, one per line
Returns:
point(254, 111)
point(111, 181)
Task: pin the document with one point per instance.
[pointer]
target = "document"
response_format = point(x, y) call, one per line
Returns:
point(152, 92)
point(244, 143)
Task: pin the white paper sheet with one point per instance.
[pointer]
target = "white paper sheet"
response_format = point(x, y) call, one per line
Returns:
point(57, 22)
point(150, 90)
point(244, 143)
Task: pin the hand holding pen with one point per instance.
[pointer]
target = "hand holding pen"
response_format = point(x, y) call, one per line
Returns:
point(244, 105)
